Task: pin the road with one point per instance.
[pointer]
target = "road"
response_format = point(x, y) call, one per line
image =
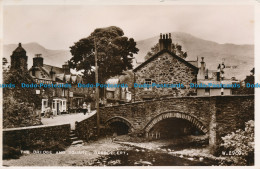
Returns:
point(67, 118)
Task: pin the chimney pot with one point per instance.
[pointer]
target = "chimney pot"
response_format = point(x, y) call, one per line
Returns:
point(38, 60)
point(170, 35)
point(163, 36)
point(166, 36)
point(160, 35)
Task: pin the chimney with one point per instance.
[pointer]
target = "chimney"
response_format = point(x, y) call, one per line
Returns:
point(66, 68)
point(165, 42)
point(201, 74)
point(53, 74)
point(38, 60)
point(218, 72)
point(207, 74)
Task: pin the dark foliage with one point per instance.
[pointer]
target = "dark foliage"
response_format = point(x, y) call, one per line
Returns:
point(242, 142)
point(11, 152)
point(115, 53)
point(19, 103)
point(26, 95)
point(245, 89)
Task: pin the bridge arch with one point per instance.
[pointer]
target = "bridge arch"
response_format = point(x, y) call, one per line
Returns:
point(178, 115)
point(120, 119)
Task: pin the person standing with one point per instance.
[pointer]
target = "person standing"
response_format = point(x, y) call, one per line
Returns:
point(84, 108)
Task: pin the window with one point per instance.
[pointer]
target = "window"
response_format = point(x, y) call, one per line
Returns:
point(207, 91)
point(148, 82)
point(45, 103)
point(53, 105)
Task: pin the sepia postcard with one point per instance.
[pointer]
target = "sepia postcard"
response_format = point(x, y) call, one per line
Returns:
point(129, 83)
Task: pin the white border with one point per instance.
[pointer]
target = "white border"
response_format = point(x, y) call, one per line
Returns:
point(256, 3)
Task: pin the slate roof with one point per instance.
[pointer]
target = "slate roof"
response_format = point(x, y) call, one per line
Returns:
point(57, 70)
point(19, 49)
point(59, 74)
point(160, 53)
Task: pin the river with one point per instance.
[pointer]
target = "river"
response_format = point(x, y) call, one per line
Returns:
point(120, 155)
point(144, 157)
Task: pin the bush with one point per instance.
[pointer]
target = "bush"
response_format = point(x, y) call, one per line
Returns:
point(241, 141)
point(19, 103)
point(11, 152)
point(17, 114)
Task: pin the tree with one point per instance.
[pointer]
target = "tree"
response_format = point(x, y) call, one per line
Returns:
point(4, 61)
point(128, 79)
point(19, 103)
point(248, 80)
point(253, 71)
point(5, 64)
point(241, 143)
point(115, 53)
point(175, 48)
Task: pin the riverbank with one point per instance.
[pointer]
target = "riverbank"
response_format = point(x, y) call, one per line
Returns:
point(195, 147)
point(106, 152)
point(80, 155)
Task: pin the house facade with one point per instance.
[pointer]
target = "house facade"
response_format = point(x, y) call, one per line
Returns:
point(165, 67)
point(117, 95)
point(61, 99)
point(211, 81)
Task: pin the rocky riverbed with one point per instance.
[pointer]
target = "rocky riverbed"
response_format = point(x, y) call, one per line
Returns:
point(106, 152)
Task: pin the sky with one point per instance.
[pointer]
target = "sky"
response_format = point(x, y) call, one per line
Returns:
point(59, 26)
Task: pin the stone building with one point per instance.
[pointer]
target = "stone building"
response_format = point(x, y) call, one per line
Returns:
point(165, 67)
point(117, 95)
point(213, 79)
point(61, 98)
point(19, 59)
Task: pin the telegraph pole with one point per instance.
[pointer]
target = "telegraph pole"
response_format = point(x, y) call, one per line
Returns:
point(97, 89)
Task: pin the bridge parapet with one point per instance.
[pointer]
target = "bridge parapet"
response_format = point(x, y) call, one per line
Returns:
point(217, 115)
point(139, 114)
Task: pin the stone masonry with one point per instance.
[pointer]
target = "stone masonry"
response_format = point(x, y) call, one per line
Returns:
point(215, 116)
point(165, 68)
point(27, 137)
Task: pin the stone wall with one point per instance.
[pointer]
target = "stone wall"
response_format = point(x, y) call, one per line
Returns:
point(86, 129)
point(28, 137)
point(232, 112)
point(139, 114)
point(165, 69)
point(219, 115)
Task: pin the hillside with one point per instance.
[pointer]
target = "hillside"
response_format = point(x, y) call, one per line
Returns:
point(52, 57)
point(241, 56)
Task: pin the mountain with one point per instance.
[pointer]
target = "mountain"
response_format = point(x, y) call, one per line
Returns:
point(52, 57)
point(239, 56)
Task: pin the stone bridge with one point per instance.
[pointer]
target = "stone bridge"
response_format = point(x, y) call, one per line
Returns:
point(215, 116)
